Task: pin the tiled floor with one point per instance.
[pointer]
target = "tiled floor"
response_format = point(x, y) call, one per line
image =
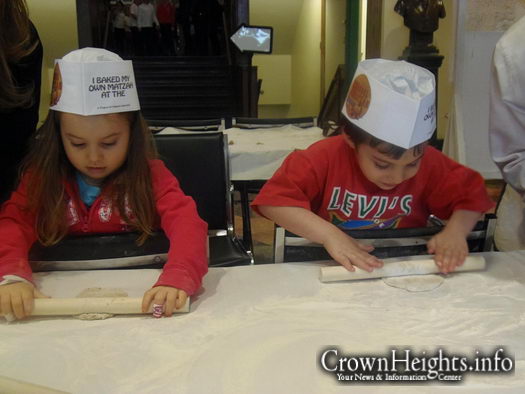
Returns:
point(262, 229)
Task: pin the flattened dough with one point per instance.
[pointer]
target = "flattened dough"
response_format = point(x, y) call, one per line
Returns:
point(94, 316)
point(99, 292)
point(415, 283)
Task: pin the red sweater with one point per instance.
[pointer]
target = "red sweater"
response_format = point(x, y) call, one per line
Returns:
point(187, 258)
point(326, 179)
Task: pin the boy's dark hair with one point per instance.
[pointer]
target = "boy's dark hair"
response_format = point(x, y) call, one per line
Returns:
point(359, 137)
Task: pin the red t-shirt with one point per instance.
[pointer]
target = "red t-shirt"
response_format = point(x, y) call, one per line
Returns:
point(327, 180)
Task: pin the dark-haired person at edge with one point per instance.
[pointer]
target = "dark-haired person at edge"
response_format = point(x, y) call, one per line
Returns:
point(20, 75)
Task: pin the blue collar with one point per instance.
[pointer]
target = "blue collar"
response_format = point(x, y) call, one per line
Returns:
point(88, 193)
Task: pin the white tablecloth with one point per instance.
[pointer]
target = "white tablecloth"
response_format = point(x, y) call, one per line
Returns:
point(257, 153)
point(260, 329)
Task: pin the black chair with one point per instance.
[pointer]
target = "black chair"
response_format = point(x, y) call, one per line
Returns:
point(289, 247)
point(258, 123)
point(199, 161)
point(254, 186)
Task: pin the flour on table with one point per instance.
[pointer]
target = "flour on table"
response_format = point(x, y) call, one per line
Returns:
point(99, 292)
point(415, 283)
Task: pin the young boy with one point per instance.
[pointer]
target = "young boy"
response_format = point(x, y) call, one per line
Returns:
point(379, 173)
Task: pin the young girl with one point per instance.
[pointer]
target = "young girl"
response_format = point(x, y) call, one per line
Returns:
point(92, 169)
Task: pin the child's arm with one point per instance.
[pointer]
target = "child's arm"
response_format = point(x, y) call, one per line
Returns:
point(450, 245)
point(343, 248)
point(187, 256)
point(17, 234)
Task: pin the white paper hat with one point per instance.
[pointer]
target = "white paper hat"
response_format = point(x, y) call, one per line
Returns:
point(93, 81)
point(392, 100)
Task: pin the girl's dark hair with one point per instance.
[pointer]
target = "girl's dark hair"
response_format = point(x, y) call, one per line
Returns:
point(359, 137)
point(16, 42)
point(47, 166)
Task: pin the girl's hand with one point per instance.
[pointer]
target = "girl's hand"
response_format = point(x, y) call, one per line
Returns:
point(349, 252)
point(171, 297)
point(450, 248)
point(17, 300)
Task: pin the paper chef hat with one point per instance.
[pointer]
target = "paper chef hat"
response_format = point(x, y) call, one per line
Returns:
point(93, 81)
point(392, 100)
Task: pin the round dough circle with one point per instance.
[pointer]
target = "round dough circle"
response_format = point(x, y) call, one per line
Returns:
point(415, 283)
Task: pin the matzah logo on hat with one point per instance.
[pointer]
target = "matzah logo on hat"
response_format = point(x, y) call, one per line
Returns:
point(393, 101)
point(358, 99)
point(56, 91)
point(93, 81)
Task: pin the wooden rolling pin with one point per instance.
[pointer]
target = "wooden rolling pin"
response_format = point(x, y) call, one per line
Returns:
point(78, 306)
point(13, 386)
point(399, 268)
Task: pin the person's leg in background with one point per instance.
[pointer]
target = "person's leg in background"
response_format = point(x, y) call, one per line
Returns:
point(510, 229)
point(201, 23)
point(166, 39)
point(175, 39)
point(120, 37)
point(137, 42)
point(146, 33)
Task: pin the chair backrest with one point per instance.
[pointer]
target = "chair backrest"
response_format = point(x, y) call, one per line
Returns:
point(100, 251)
point(198, 125)
point(257, 123)
point(289, 247)
point(200, 163)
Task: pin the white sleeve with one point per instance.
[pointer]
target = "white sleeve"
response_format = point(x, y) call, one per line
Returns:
point(507, 107)
point(8, 279)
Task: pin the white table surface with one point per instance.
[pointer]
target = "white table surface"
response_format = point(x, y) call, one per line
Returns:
point(260, 329)
point(257, 153)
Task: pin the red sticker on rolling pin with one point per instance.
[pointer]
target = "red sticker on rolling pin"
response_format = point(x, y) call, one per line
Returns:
point(158, 310)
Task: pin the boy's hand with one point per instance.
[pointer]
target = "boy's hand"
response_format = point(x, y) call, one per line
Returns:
point(450, 245)
point(17, 300)
point(450, 250)
point(171, 297)
point(343, 248)
point(349, 252)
